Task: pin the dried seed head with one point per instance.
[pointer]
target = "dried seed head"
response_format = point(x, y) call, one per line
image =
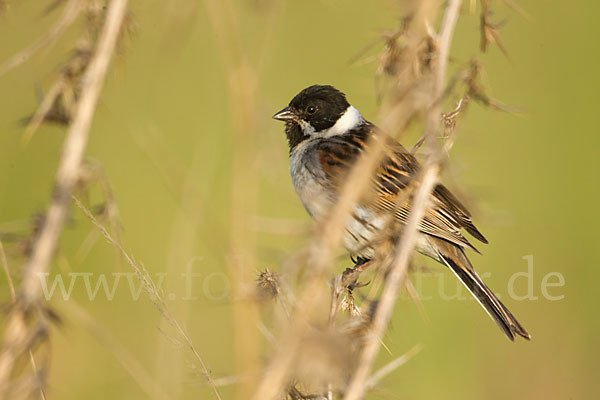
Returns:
point(348, 304)
point(268, 284)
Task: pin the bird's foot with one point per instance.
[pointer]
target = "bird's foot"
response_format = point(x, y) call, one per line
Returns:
point(350, 275)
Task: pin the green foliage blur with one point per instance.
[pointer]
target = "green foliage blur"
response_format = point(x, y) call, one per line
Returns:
point(163, 137)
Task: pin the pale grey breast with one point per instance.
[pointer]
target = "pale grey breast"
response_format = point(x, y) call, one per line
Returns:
point(310, 183)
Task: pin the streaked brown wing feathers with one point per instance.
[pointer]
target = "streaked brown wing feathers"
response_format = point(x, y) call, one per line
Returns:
point(445, 217)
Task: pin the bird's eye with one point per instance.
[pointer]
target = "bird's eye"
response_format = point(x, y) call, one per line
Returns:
point(311, 109)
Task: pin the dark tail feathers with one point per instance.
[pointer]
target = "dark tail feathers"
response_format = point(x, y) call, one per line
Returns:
point(494, 307)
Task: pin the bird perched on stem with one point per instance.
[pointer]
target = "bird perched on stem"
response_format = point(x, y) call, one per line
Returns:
point(326, 136)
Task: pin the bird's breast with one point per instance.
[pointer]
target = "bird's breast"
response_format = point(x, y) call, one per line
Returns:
point(309, 181)
point(363, 229)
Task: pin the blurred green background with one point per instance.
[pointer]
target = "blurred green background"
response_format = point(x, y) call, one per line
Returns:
point(163, 136)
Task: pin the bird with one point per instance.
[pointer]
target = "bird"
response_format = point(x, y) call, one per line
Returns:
point(326, 136)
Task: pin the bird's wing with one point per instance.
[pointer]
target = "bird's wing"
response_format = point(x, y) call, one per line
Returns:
point(444, 219)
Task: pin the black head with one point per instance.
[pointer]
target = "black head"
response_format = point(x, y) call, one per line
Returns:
point(315, 108)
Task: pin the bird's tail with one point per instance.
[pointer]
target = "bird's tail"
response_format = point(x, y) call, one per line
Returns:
point(458, 262)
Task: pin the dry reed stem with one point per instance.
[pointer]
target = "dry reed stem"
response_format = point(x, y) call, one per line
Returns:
point(70, 163)
point(69, 14)
point(154, 294)
point(244, 88)
point(75, 143)
point(408, 239)
point(243, 97)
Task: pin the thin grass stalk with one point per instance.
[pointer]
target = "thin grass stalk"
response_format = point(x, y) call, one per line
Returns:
point(154, 294)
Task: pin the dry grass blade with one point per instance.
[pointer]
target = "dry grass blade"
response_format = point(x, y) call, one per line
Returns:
point(154, 294)
point(475, 90)
point(518, 9)
point(43, 110)
point(489, 30)
point(70, 13)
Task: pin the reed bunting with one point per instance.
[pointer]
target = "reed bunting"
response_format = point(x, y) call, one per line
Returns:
point(326, 135)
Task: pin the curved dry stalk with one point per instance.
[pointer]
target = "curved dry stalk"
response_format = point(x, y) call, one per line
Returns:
point(28, 297)
point(397, 274)
point(154, 293)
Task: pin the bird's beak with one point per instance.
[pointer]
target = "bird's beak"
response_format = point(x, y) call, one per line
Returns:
point(285, 115)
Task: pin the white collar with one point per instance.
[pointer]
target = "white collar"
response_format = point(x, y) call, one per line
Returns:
point(349, 120)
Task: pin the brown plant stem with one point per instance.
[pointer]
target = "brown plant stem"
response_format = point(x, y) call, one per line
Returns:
point(28, 296)
point(13, 297)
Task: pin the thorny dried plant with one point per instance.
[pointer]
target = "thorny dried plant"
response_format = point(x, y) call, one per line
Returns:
point(28, 319)
point(267, 284)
